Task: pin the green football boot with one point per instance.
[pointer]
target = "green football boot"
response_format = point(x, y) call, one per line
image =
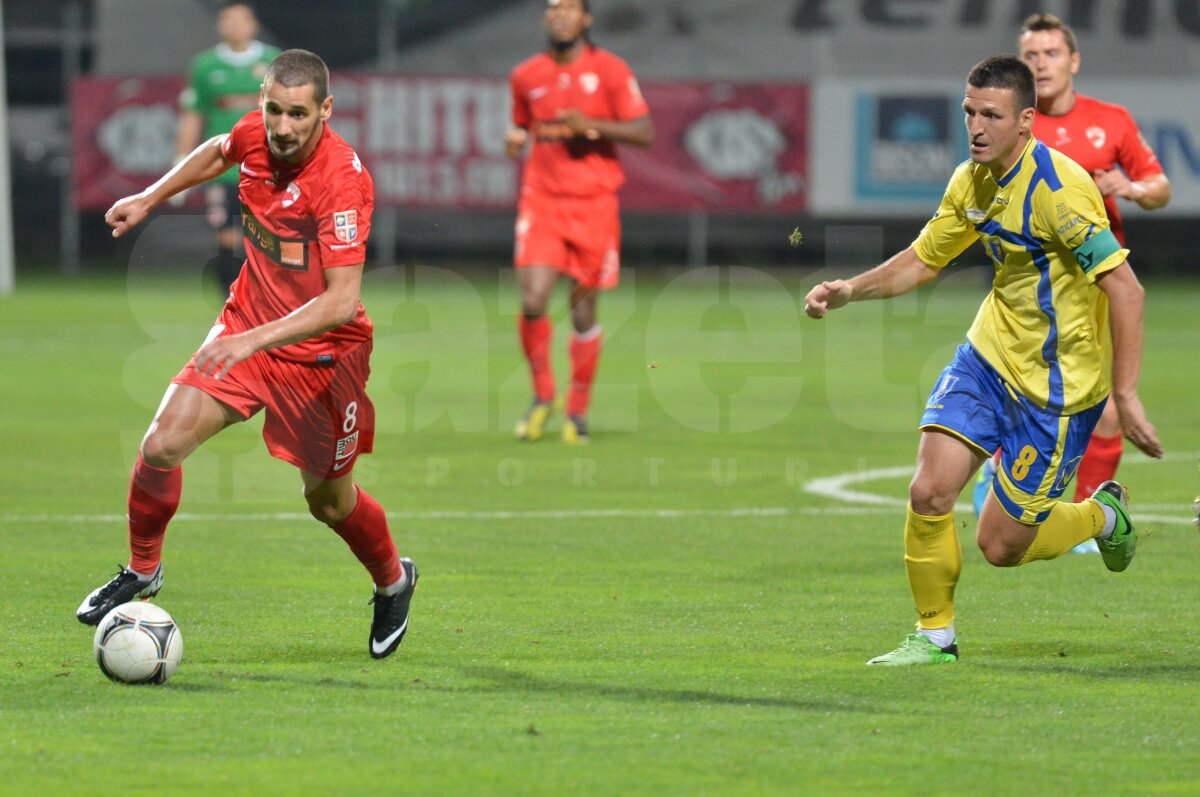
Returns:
point(917, 649)
point(1117, 549)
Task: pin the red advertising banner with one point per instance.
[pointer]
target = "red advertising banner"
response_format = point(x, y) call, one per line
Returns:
point(722, 147)
point(439, 142)
point(122, 135)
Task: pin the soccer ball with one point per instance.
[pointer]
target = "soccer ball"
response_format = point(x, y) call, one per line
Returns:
point(138, 643)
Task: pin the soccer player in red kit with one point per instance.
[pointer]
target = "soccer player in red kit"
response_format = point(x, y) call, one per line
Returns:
point(575, 102)
point(293, 339)
point(1099, 136)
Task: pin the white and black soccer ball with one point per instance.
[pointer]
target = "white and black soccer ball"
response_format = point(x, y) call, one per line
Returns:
point(138, 643)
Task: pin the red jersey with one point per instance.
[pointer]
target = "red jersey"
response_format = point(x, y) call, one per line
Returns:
point(1099, 135)
point(297, 221)
point(598, 84)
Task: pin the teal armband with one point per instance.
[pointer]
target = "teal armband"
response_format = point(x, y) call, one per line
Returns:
point(1096, 250)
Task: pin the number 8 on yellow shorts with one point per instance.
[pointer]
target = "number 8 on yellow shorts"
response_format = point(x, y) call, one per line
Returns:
point(1041, 450)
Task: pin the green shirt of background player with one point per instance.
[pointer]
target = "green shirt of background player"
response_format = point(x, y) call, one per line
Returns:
point(223, 85)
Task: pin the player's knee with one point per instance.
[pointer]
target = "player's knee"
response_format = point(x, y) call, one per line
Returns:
point(326, 509)
point(533, 304)
point(162, 451)
point(999, 553)
point(930, 499)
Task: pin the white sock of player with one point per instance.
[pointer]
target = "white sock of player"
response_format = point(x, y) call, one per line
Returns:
point(142, 577)
point(392, 589)
point(1110, 521)
point(942, 637)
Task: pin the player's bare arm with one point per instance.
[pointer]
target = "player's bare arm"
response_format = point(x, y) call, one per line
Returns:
point(205, 163)
point(900, 274)
point(514, 141)
point(337, 305)
point(637, 132)
point(1126, 300)
point(1149, 192)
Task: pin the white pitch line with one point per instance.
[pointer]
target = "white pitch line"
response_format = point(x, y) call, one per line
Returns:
point(533, 514)
point(838, 488)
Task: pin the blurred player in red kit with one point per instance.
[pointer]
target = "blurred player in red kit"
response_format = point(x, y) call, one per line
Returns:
point(293, 339)
point(1100, 137)
point(575, 102)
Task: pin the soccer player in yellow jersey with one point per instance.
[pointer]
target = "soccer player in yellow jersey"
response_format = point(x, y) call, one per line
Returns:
point(1035, 372)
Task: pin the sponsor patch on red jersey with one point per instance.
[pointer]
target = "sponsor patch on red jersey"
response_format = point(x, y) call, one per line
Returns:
point(347, 446)
point(345, 225)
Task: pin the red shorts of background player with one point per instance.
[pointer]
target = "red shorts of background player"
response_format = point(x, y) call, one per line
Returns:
point(578, 235)
point(318, 416)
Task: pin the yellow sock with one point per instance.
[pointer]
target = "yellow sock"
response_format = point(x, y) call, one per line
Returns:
point(1067, 526)
point(933, 559)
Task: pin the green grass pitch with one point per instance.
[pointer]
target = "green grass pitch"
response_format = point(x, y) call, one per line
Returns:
point(683, 607)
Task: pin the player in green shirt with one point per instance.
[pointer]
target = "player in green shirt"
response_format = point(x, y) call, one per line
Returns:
point(223, 84)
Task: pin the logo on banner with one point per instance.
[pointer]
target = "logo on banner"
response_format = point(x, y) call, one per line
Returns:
point(743, 144)
point(345, 225)
point(907, 146)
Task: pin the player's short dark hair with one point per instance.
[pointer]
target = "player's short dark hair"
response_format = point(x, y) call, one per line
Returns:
point(293, 68)
point(1006, 72)
point(225, 5)
point(1039, 22)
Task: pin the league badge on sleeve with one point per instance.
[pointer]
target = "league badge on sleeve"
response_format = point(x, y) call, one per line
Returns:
point(345, 225)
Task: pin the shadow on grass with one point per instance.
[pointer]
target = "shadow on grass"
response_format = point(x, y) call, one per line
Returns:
point(505, 680)
point(510, 680)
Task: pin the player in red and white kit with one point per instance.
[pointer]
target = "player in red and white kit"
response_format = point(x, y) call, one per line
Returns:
point(575, 102)
point(1100, 137)
point(293, 339)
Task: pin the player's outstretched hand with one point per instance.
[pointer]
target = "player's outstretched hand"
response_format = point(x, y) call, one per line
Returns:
point(514, 141)
point(825, 297)
point(216, 357)
point(1112, 182)
point(579, 124)
point(126, 214)
point(1137, 426)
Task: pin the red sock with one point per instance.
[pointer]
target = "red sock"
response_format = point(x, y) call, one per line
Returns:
point(153, 498)
point(585, 353)
point(535, 339)
point(1099, 464)
point(366, 532)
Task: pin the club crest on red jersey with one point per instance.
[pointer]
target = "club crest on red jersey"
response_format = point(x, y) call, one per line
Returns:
point(345, 225)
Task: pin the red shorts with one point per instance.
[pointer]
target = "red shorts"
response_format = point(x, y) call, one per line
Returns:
point(318, 416)
point(578, 235)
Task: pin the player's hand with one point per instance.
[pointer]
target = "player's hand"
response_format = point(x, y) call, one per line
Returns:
point(579, 124)
point(514, 141)
point(825, 297)
point(1113, 182)
point(219, 355)
point(127, 213)
point(1137, 426)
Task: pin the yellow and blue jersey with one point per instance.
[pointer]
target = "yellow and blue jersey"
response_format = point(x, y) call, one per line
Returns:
point(1044, 325)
